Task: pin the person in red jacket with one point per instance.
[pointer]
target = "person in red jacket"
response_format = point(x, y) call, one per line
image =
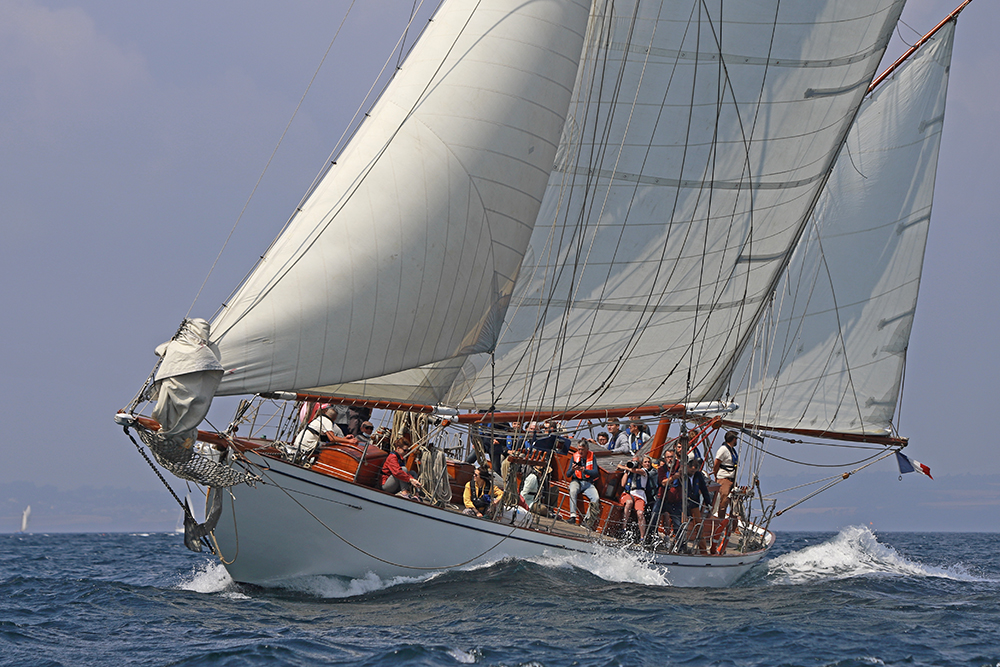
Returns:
point(395, 477)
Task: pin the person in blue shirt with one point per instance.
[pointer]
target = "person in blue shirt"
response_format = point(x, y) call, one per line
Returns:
point(699, 502)
point(549, 439)
point(637, 437)
point(618, 441)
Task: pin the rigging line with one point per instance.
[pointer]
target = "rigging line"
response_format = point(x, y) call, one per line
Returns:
point(649, 308)
point(775, 315)
point(591, 175)
point(607, 192)
point(790, 335)
point(831, 484)
point(578, 237)
point(776, 277)
point(800, 486)
point(708, 215)
point(376, 296)
point(318, 231)
point(806, 463)
point(766, 392)
point(633, 338)
point(326, 165)
point(746, 143)
point(273, 153)
point(571, 147)
point(406, 30)
point(816, 443)
point(900, 34)
point(593, 397)
point(850, 155)
point(371, 555)
point(184, 507)
point(748, 172)
point(899, 398)
point(840, 339)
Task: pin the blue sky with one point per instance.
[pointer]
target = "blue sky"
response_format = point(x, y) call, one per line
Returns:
point(132, 134)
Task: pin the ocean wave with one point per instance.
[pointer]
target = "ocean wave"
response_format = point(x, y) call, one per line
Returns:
point(323, 586)
point(611, 565)
point(854, 552)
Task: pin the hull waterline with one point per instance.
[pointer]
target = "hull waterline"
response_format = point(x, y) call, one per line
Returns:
point(299, 523)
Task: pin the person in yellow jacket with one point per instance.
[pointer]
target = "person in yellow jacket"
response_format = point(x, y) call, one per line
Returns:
point(480, 493)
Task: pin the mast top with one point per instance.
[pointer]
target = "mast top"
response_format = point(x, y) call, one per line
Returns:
point(920, 42)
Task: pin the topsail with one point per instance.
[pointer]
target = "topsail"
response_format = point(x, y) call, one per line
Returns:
point(830, 356)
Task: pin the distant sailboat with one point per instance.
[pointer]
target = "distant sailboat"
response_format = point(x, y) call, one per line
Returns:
point(571, 211)
point(25, 515)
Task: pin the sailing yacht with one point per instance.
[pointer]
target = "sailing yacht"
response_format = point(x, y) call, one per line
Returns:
point(698, 216)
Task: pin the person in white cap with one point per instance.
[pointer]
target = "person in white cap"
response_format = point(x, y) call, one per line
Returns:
point(316, 431)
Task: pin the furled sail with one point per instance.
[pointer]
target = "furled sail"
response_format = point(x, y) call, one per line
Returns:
point(407, 250)
point(830, 357)
point(699, 139)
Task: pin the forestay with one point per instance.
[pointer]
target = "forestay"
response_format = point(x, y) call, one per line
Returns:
point(830, 357)
point(700, 136)
point(406, 252)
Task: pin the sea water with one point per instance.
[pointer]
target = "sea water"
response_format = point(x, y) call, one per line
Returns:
point(853, 598)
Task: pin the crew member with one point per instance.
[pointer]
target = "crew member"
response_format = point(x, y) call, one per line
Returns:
point(726, 461)
point(583, 475)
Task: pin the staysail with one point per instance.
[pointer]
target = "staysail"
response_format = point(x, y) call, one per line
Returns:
point(699, 139)
point(830, 356)
point(407, 251)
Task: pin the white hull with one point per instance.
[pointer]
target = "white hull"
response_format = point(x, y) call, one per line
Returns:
point(302, 523)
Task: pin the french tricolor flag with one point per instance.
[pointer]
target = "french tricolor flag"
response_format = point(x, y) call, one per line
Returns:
point(907, 464)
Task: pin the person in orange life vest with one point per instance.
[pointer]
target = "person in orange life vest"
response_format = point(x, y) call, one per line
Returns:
point(634, 481)
point(583, 475)
point(394, 476)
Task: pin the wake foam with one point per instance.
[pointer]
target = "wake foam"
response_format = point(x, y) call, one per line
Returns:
point(854, 552)
point(211, 577)
point(617, 565)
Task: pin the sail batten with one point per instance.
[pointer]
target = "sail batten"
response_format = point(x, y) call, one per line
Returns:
point(407, 250)
point(699, 139)
point(841, 323)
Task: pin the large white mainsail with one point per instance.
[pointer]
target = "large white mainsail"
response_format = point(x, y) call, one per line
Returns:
point(830, 357)
point(700, 136)
point(407, 250)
